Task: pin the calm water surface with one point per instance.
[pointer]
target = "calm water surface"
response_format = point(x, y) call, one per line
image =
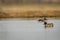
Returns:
point(28, 30)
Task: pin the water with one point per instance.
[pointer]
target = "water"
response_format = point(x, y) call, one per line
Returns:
point(28, 30)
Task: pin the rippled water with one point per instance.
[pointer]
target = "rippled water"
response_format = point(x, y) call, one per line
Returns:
point(28, 30)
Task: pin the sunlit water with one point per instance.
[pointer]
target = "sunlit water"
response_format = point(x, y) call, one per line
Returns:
point(28, 30)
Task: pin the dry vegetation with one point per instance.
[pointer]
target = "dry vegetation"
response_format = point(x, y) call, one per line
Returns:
point(26, 11)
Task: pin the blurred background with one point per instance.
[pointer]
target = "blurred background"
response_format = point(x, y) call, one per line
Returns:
point(28, 1)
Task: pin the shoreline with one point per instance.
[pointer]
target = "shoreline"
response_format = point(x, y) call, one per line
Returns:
point(48, 18)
